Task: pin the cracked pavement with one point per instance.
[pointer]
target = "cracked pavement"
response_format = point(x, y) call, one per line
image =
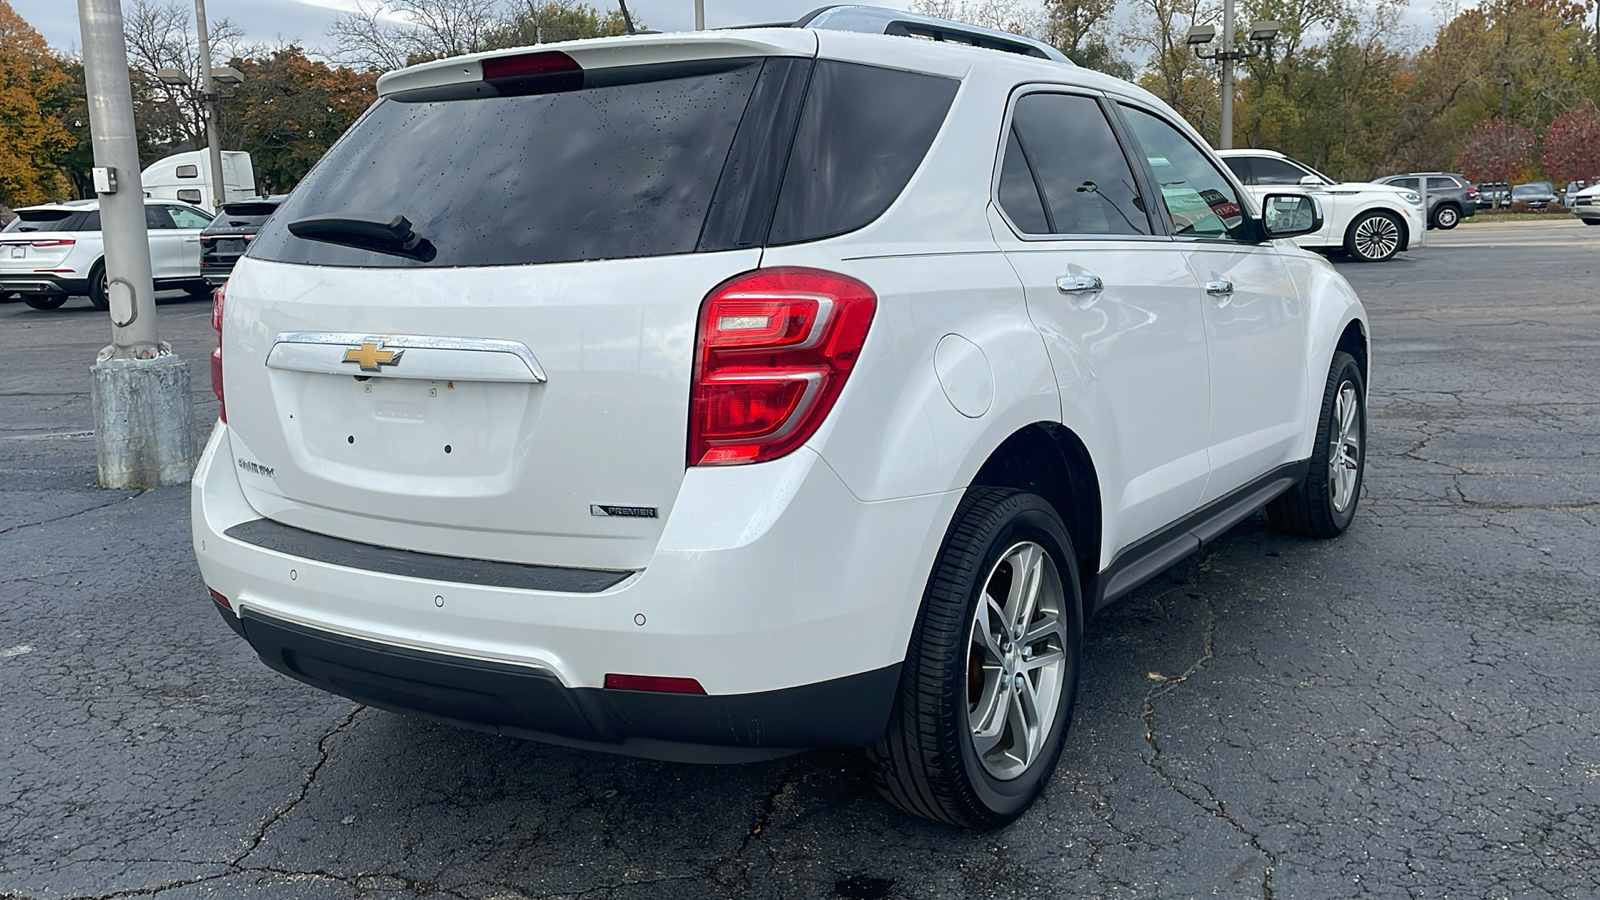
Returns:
point(1408, 711)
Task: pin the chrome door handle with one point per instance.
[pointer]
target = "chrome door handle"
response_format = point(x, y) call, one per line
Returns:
point(1219, 288)
point(1080, 284)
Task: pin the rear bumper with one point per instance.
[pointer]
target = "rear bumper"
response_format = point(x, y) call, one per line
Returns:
point(785, 597)
point(42, 284)
point(524, 702)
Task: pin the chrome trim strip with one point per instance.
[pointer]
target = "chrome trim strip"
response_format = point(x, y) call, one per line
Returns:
point(418, 342)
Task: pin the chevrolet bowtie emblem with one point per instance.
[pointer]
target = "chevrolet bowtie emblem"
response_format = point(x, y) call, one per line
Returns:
point(371, 357)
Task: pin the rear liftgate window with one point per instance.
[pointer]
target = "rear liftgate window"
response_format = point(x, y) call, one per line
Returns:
point(642, 161)
point(605, 172)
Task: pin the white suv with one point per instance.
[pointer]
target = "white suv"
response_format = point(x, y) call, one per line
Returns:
point(49, 253)
point(1371, 222)
point(715, 396)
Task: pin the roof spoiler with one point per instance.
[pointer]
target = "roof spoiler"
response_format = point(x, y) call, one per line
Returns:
point(878, 20)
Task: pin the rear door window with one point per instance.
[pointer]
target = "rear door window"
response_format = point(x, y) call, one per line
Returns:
point(1437, 183)
point(45, 220)
point(863, 132)
point(1071, 159)
point(607, 172)
point(1271, 170)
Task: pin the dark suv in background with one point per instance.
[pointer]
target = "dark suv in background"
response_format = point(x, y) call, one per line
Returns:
point(226, 238)
point(1451, 198)
point(1537, 194)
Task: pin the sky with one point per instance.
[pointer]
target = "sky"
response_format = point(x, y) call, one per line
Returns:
point(306, 21)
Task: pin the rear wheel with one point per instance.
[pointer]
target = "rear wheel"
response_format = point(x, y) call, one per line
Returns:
point(1447, 216)
point(1324, 503)
point(45, 301)
point(1591, 221)
point(99, 289)
point(198, 289)
point(1374, 236)
point(991, 672)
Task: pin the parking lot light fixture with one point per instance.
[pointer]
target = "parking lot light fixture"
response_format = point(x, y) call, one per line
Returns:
point(1202, 34)
point(1264, 31)
point(227, 76)
point(173, 77)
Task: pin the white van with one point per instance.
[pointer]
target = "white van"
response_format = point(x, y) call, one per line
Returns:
point(187, 177)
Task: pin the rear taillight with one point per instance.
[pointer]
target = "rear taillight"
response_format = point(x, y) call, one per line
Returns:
point(207, 241)
point(54, 242)
point(218, 297)
point(775, 347)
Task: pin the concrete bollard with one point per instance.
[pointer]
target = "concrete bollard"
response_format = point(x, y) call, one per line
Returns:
point(144, 422)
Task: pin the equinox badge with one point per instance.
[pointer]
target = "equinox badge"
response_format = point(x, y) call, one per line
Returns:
point(371, 357)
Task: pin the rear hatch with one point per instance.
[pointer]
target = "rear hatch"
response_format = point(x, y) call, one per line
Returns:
point(470, 330)
point(40, 239)
point(229, 235)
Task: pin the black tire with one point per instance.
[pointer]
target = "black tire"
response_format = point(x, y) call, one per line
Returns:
point(44, 301)
point(99, 292)
point(926, 762)
point(1446, 216)
point(1311, 508)
point(1374, 236)
point(1591, 221)
point(198, 289)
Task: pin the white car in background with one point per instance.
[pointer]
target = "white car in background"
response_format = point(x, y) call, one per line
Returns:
point(1372, 222)
point(52, 252)
point(1586, 205)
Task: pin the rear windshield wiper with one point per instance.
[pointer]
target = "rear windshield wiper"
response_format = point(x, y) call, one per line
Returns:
point(391, 234)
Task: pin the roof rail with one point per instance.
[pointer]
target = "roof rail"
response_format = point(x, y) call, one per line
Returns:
point(878, 20)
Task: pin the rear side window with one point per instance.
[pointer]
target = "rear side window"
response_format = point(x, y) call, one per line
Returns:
point(1071, 158)
point(607, 172)
point(1271, 170)
point(863, 133)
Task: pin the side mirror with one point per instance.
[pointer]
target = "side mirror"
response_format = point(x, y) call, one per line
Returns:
point(1290, 215)
point(1311, 181)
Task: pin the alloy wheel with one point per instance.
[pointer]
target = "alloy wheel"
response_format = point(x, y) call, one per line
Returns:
point(1377, 237)
point(1447, 218)
point(1344, 451)
point(1017, 663)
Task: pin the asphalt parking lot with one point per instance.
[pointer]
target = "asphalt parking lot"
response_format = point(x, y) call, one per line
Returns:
point(1409, 711)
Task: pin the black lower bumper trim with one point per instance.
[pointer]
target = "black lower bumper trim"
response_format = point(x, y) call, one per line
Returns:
point(412, 564)
point(525, 702)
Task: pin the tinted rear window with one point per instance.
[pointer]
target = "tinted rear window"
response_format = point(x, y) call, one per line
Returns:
point(607, 172)
point(863, 132)
point(54, 220)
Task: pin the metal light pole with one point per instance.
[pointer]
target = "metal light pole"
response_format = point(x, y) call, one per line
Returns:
point(143, 413)
point(208, 99)
point(699, 15)
point(1262, 35)
point(1226, 142)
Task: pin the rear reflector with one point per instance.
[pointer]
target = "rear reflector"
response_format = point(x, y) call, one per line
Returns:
point(546, 72)
point(658, 684)
point(219, 598)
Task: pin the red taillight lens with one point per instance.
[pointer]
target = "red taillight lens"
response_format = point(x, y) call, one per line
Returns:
point(218, 297)
point(54, 242)
point(545, 72)
point(219, 598)
point(654, 683)
point(775, 347)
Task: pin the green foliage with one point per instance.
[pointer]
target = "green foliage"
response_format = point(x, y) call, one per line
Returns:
point(289, 110)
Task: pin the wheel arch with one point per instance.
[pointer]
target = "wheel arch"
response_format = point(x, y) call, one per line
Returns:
point(1048, 459)
point(1353, 340)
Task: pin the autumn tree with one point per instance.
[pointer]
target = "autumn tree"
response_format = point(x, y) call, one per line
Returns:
point(290, 110)
point(1572, 146)
point(388, 34)
point(32, 137)
point(1497, 150)
point(548, 21)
